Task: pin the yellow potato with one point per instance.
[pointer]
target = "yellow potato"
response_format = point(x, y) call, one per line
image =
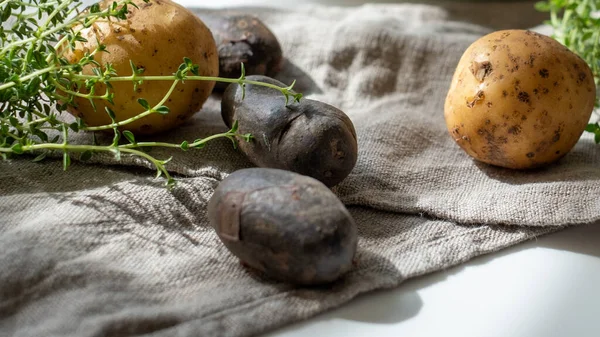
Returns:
point(156, 37)
point(519, 99)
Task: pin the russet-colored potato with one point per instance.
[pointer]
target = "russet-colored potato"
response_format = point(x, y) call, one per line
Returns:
point(519, 99)
point(156, 37)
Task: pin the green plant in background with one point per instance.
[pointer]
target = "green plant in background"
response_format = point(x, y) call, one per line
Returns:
point(37, 84)
point(576, 25)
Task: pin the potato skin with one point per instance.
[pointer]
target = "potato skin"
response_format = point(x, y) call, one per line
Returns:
point(311, 138)
point(152, 37)
point(289, 226)
point(244, 38)
point(519, 99)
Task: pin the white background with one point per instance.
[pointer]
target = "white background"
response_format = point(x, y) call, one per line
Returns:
point(543, 288)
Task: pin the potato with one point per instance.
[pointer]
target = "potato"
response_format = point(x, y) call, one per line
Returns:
point(519, 99)
point(244, 38)
point(156, 37)
point(288, 226)
point(311, 138)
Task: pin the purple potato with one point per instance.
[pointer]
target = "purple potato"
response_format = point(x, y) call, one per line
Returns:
point(288, 226)
point(243, 38)
point(310, 137)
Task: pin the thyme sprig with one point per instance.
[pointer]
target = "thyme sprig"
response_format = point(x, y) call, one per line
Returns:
point(38, 84)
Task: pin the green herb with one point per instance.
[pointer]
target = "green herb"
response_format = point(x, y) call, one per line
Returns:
point(37, 84)
point(576, 25)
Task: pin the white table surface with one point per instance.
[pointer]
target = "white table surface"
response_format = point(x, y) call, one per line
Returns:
point(542, 288)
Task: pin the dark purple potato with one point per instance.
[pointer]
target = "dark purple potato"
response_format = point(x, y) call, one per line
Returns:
point(311, 138)
point(243, 38)
point(288, 226)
